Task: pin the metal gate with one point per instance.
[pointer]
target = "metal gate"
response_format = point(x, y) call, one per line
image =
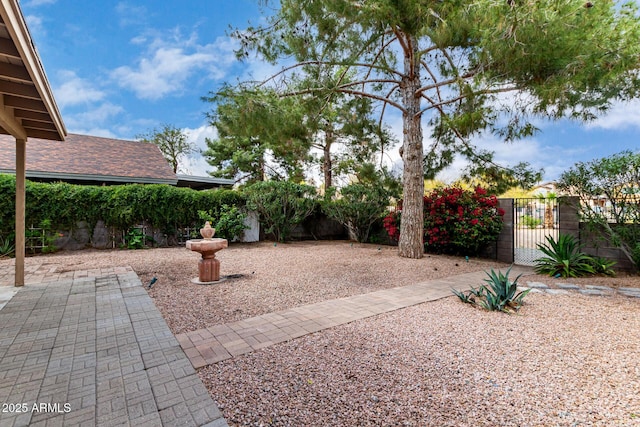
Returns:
point(534, 219)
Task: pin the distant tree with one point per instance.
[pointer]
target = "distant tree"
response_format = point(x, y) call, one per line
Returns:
point(452, 62)
point(172, 142)
point(260, 135)
point(265, 134)
point(343, 126)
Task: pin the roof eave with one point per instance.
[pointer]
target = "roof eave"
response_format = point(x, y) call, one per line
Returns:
point(17, 27)
point(92, 177)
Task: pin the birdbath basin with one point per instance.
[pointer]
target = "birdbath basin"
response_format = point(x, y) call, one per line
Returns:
point(208, 265)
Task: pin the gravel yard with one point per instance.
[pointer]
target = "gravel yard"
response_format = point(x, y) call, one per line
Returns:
point(561, 361)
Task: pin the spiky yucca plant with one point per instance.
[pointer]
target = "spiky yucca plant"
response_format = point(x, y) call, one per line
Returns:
point(563, 257)
point(499, 294)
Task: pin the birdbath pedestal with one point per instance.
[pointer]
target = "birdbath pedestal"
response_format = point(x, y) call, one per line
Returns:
point(208, 266)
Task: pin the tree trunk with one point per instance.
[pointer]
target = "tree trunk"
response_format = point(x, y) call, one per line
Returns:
point(411, 243)
point(326, 161)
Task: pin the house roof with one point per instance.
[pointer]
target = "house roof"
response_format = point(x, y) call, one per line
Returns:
point(27, 106)
point(90, 159)
point(202, 182)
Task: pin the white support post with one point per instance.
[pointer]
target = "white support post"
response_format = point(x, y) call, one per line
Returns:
point(21, 149)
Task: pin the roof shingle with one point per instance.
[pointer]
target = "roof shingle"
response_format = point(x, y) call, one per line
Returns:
point(91, 157)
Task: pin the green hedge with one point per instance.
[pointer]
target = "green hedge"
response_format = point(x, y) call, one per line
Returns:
point(122, 206)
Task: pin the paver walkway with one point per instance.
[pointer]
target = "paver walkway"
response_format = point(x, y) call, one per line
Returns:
point(95, 350)
point(221, 342)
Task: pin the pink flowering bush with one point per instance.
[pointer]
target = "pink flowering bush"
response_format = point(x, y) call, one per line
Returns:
point(455, 221)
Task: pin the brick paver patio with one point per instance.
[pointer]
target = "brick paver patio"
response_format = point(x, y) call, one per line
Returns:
point(92, 349)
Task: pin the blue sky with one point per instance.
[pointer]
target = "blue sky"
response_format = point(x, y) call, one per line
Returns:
point(119, 69)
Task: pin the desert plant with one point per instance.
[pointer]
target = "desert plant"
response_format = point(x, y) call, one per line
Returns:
point(499, 294)
point(564, 258)
point(7, 247)
point(603, 266)
point(502, 294)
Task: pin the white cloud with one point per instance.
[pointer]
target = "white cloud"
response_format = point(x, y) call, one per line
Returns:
point(75, 90)
point(169, 65)
point(100, 114)
point(196, 163)
point(36, 3)
point(621, 116)
point(95, 118)
point(130, 14)
point(34, 23)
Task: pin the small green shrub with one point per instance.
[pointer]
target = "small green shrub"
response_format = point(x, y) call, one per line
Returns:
point(499, 294)
point(564, 258)
point(134, 239)
point(530, 221)
point(229, 224)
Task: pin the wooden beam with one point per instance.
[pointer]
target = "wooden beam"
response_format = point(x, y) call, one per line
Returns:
point(32, 124)
point(7, 48)
point(31, 115)
point(21, 148)
point(25, 104)
point(17, 30)
point(43, 134)
point(9, 123)
point(19, 89)
point(15, 72)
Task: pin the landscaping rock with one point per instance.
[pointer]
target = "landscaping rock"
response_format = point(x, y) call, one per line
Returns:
point(557, 292)
point(630, 292)
point(596, 292)
point(570, 286)
point(537, 285)
point(600, 288)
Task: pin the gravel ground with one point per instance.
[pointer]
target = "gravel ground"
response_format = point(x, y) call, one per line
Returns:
point(561, 361)
point(273, 277)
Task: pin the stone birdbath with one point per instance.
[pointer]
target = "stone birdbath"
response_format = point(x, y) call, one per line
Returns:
point(208, 266)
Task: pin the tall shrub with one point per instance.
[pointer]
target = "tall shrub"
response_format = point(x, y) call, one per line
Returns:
point(122, 206)
point(357, 207)
point(281, 205)
point(456, 221)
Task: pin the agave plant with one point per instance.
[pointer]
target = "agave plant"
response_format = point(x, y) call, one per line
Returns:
point(563, 258)
point(7, 247)
point(603, 266)
point(499, 294)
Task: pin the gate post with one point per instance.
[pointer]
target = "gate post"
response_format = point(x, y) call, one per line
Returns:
point(504, 252)
point(568, 219)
